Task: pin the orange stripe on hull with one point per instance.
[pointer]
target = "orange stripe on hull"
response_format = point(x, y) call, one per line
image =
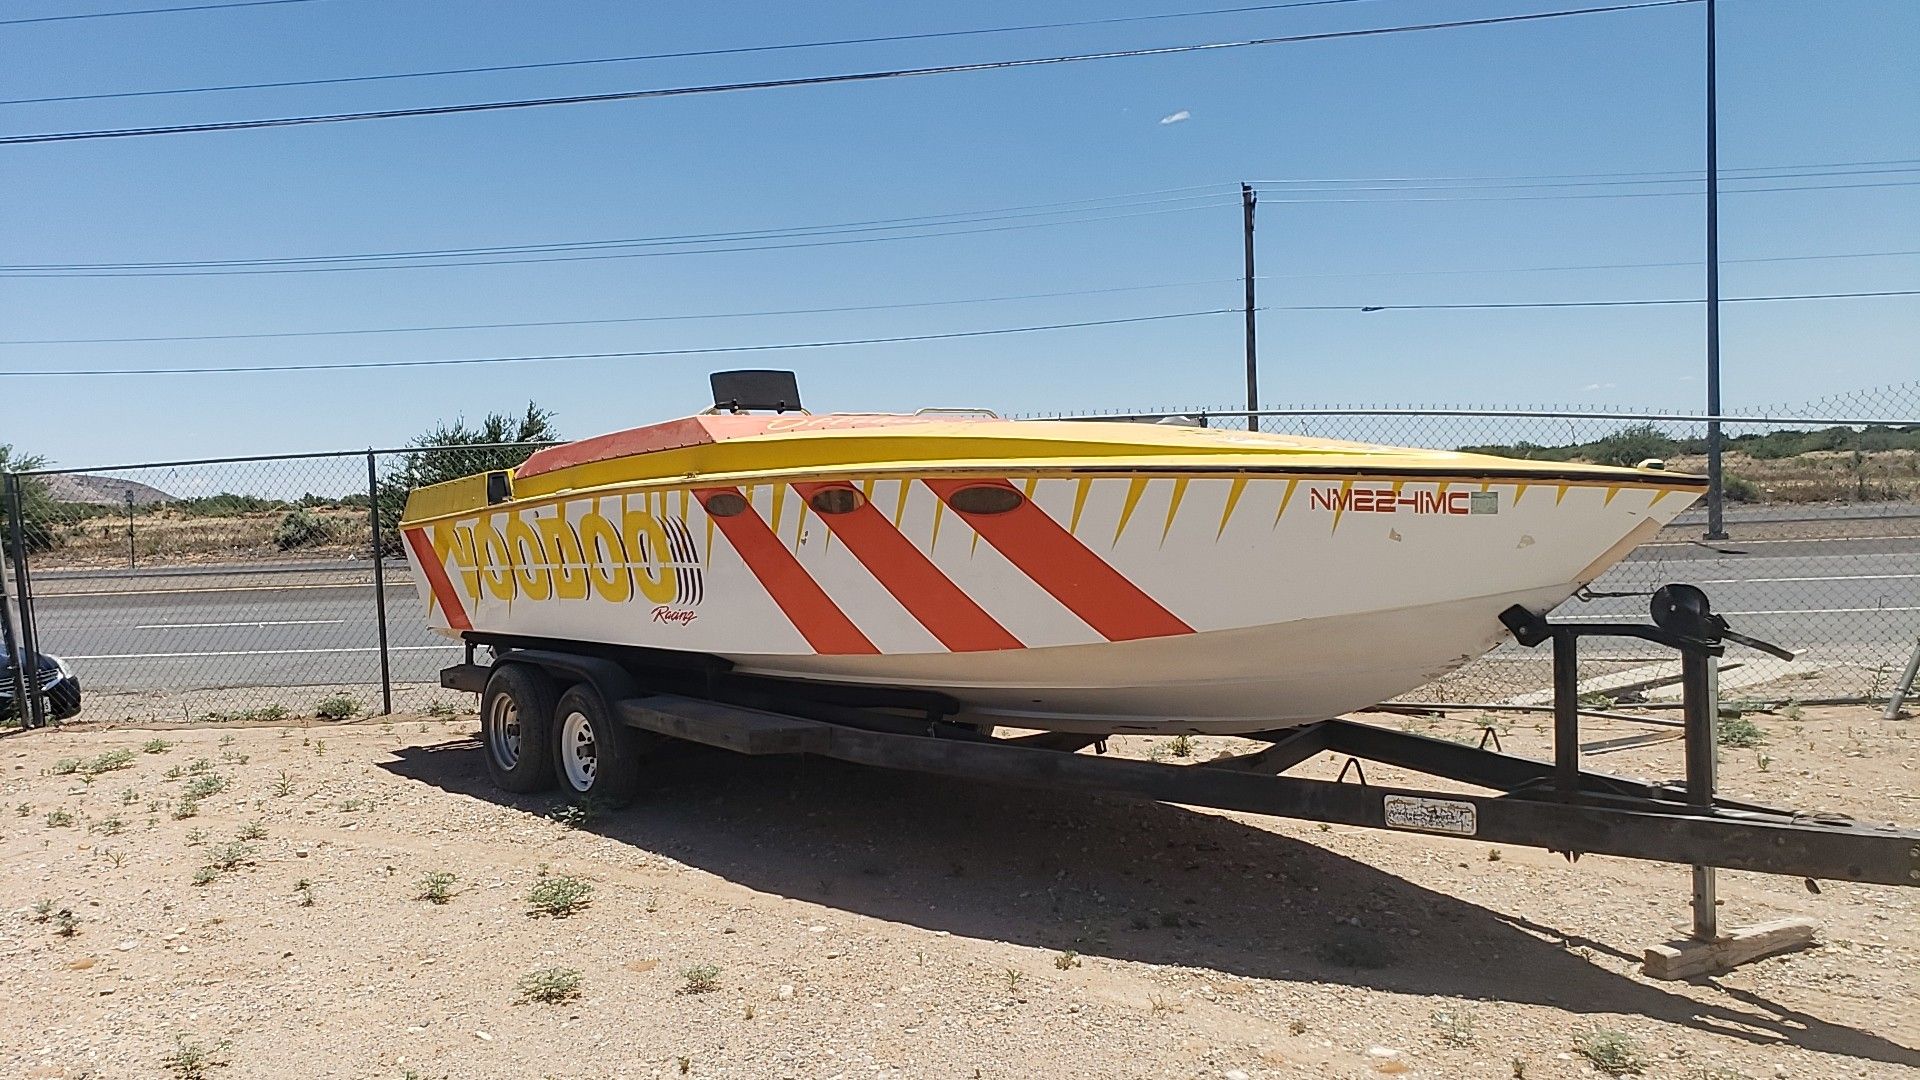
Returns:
point(1101, 596)
point(437, 580)
point(806, 605)
point(947, 612)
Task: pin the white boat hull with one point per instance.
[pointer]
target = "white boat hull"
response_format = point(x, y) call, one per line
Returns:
point(1109, 602)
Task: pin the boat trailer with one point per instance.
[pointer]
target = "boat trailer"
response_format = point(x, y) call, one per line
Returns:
point(1555, 805)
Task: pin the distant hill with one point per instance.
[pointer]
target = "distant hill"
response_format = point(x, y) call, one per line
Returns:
point(103, 491)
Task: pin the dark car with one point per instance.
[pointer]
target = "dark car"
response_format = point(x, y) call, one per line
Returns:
point(59, 688)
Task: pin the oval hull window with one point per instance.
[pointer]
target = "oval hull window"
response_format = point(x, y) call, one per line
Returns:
point(835, 500)
point(985, 499)
point(725, 504)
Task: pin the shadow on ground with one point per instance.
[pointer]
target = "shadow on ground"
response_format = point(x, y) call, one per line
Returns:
point(1127, 880)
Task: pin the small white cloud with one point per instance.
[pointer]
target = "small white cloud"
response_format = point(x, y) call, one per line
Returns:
point(1175, 118)
point(1591, 387)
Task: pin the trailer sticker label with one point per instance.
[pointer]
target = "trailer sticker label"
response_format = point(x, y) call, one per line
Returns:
point(1431, 815)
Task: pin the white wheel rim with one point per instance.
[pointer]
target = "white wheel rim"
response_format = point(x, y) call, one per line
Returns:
point(503, 732)
point(579, 752)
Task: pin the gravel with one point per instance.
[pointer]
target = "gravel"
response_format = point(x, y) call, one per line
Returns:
point(858, 924)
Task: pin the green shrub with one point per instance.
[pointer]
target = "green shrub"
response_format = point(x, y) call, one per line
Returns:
point(1633, 444)
point(304, 528)
point(107, 762)
point(550, 985)
point(1612, 1052)
point(1739, 489)
point(338, 707)
point(437, 887)
point(226, 504)
point(700, 979)
point(559, 896)
point(202, 786)
point(1738, 732)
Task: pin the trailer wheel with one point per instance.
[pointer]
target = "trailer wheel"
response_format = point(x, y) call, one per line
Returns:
point(595, 755)
point(515, 714)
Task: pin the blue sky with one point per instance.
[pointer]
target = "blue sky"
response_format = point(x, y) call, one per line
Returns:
point(1802, 84)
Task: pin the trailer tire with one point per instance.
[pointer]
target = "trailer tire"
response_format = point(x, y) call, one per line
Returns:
point(516, 713)
point(595, 756)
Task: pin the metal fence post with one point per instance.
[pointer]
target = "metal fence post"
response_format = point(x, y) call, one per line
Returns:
point(1905, 686)
point(31, 714)
point(379, 584)
point(8, 637)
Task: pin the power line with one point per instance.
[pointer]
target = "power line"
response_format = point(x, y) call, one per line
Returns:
point(624, 320)
point(725, 243)
point(148, 11)
point(1099, 203)
point(1592, 303)
point(1605, 194)
point(1691, 263)
point(845, 309)
point(898, 339)
point(598, 257)
point(1192, 192)
point(812, 80)
point(1678, 174)
point(957, 217)
point(682, 55)
point(1446, 184)
point(955, 223)
point(367, 364)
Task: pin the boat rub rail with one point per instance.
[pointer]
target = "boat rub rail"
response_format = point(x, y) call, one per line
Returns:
point(468, 495)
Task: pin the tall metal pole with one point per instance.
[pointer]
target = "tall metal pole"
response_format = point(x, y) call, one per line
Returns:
point(1247, 200)
point(1716, 529)
point(379, 586)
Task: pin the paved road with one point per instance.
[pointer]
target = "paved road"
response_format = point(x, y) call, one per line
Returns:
point(237, 629)
point(1854, 600)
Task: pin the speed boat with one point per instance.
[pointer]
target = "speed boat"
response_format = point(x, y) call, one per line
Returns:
point(1061, 575)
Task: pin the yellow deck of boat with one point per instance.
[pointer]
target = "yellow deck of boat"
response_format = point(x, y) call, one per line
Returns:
point(722, 449)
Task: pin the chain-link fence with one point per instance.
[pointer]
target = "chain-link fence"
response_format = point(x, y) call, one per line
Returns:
point(234, 589)
point(1821, 552)
point(248, 587)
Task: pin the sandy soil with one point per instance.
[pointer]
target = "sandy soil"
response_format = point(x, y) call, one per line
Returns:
point(864, 925)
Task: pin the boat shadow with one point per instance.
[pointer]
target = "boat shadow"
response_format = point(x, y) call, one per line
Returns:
point(1124, 880)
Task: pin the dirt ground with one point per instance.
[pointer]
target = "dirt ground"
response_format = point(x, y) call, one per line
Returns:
point(800, 918)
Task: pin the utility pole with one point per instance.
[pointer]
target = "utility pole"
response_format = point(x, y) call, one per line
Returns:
point(1716, 526)
point(1247, 199)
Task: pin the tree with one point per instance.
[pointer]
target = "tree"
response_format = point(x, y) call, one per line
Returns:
point(36, 502)
point(451, 451)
